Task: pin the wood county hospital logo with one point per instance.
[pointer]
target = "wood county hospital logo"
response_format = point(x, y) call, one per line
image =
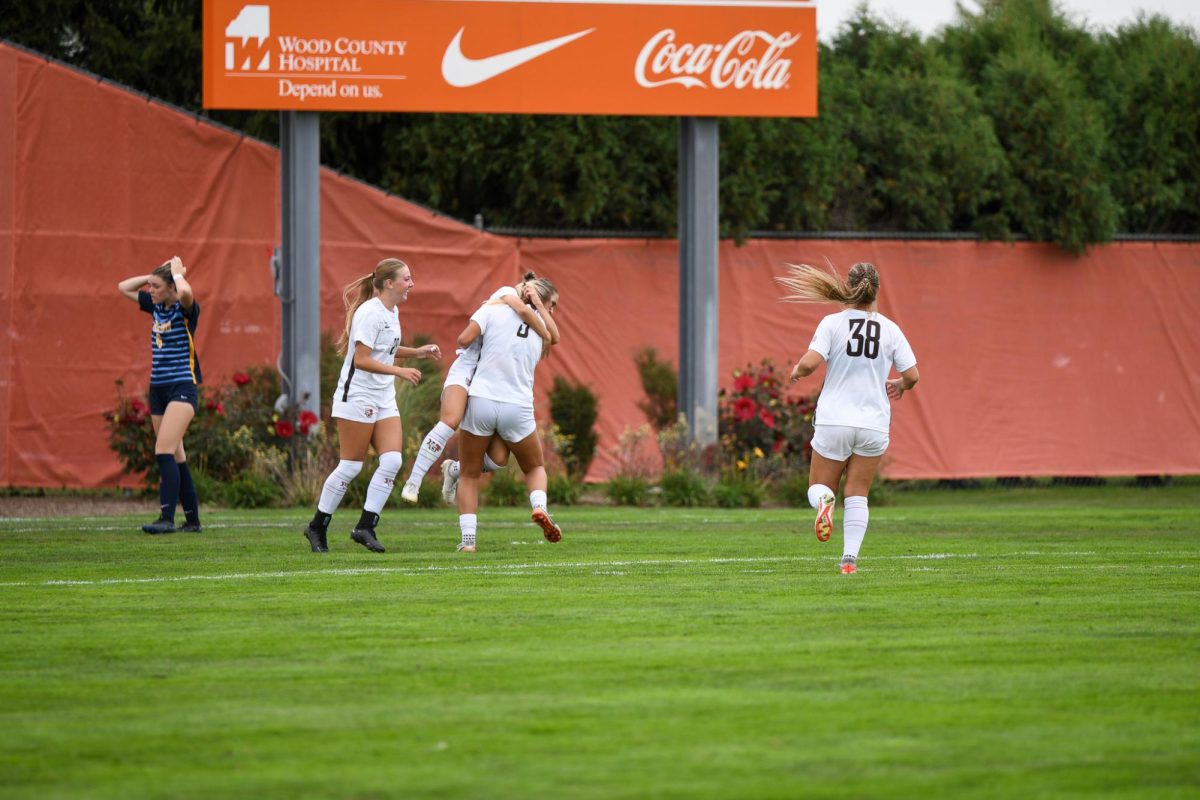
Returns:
point(246, 40)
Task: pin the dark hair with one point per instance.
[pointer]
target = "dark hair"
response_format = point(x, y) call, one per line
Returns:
point(163, 272)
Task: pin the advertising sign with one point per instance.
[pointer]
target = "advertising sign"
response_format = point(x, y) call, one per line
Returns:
point(653, 57)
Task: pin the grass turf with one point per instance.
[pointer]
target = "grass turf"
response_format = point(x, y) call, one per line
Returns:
point(996, 643)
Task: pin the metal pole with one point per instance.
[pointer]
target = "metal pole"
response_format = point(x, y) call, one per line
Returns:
point(298, 282)
point(699, 233)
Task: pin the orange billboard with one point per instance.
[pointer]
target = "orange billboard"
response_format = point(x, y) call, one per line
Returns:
point(748, 58)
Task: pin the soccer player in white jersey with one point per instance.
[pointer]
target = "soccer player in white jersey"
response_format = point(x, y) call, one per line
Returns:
point(364, 402)
point(859, 346)
point(454, 401)
point(500, 404)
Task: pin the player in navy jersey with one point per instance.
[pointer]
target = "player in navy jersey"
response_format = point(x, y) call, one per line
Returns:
point(860, 347)
point(364, 402)
point(167, 297)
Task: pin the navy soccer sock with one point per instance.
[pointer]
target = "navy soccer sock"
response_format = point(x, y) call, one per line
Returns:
point(187, 495)
point(168, 485)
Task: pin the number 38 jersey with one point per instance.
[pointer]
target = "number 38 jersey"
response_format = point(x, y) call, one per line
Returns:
point(859, 348)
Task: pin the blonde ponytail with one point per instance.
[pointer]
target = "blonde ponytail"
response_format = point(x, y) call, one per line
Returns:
point(360, 291)
point(811, 285)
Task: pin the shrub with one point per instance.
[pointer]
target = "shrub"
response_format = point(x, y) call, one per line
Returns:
point(738, 490)
point(660, 382)
point(574, 409)
point(792, 490)
point(628, 490)
point(562, 490)
point(505, 488)
point(683, 487)
point(755, 414)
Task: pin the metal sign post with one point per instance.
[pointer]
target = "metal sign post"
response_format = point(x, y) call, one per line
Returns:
point(298, 281)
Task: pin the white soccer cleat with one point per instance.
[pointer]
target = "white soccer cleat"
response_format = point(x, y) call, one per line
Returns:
point(466, 548)
point(410, 493)
point(823, 527)
point(449, 483)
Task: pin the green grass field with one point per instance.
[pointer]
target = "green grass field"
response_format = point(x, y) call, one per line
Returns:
point(999, 643)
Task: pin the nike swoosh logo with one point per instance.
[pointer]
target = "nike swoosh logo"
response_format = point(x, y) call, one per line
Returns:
point(460, 71)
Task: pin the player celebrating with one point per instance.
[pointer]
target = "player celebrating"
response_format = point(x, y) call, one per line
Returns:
point(364, 403)
point(174, 385)
point(501, 404)
point(454, 399)
point(859, 346)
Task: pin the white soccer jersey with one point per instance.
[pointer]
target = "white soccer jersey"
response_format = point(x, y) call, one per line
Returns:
point(859, 348)
point(378, 329)
point(469, 355)
point(510, 352)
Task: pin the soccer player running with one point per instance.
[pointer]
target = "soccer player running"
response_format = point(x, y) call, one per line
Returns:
point(454, 401)
point(859, 346)
point(364, 402)
point(500, 404)
point(167, 297)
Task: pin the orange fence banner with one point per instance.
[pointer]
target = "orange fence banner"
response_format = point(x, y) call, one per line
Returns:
point(756, 58)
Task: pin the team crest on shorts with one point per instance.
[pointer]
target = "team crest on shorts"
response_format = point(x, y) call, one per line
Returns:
point(368, 412)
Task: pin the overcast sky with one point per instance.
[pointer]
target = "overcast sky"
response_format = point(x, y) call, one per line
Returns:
point(926, 16)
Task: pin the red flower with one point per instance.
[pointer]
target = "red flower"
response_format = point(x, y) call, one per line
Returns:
point(138, 406)
point(775, 448)
point(284, 429)
point(767, 417)
point(308, 420)
point(220, 409)
point(744, 409)
point(743, 382)
point(241, 378)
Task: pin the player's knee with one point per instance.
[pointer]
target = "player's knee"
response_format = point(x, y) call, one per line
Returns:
point(390, 463)
point(346, 471)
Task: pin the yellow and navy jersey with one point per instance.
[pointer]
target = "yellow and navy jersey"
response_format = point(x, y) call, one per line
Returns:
point(173, 357)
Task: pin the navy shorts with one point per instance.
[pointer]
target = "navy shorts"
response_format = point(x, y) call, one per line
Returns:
point(172, 393)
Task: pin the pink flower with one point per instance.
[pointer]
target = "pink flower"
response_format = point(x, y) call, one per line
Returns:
point(284, 429)
point(241, 378)
point(744, 409)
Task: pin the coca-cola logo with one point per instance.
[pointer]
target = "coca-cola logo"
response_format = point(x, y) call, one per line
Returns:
point(751, 59)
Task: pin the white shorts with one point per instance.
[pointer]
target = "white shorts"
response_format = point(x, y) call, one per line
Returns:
point(485, 417)
point(460, 374)
point(365, 407)
point(837, 442)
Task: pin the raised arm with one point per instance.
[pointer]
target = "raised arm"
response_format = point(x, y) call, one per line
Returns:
point(182, 287)
point(130, 286)
point(896, 387)
point(469, 334)
point(530, 317)
point(547, 317)
point(807, 365)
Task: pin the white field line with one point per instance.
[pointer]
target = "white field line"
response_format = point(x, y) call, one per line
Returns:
point(597, 568)
point(472, 568)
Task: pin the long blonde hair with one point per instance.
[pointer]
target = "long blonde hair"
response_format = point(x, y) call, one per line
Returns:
point(811, 285)
point(542, 286)
point(360, 291)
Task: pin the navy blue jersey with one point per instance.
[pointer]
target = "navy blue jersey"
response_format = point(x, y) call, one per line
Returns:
point(173, 357)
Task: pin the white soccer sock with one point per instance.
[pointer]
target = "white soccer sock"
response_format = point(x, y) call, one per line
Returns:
point(336, 484)
point(489, 465)
point(466, 524)
point(816, 492)
point(382, 481)
point(537, 499)
point(432, 447)
point(854, 524)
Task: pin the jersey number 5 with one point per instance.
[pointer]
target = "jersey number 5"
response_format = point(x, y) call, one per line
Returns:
point(860, 345)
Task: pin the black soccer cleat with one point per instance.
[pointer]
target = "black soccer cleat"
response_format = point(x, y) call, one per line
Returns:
point(191, 527)
point(159, 526)
point(316, 539)
point(366, 537)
